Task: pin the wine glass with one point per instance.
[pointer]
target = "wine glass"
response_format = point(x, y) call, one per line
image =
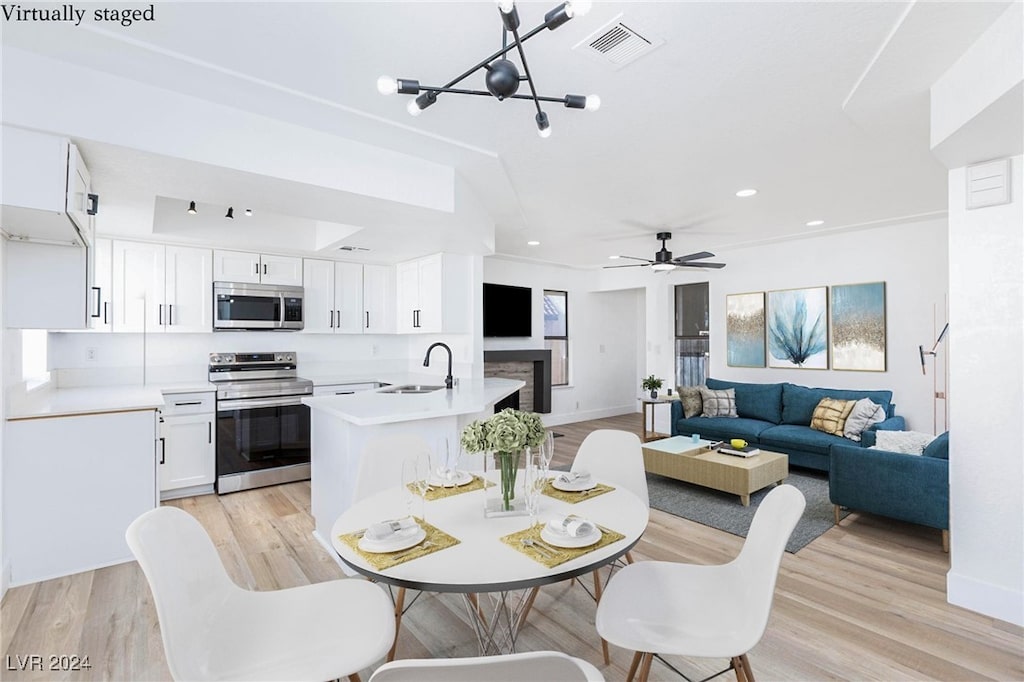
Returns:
point(534, 483)
point(447, 460)
point(415, 475)
point(547, 452)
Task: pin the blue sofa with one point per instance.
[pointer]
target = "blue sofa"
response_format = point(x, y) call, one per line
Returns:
point(777, 417)
point(913, 488)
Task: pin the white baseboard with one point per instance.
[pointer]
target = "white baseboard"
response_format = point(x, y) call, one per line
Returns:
point(985, 598)
point(556, 419)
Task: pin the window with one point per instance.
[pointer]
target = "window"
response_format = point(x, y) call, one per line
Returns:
point(556, 334)
point(692, 343)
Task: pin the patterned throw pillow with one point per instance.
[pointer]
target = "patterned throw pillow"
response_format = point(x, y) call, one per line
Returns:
point(864, 415)
point(718, 403)
point(830, 415)
point(907, 442)
point(689, 396)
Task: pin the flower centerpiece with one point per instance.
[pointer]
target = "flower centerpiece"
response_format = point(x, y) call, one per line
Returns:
point(505, 435)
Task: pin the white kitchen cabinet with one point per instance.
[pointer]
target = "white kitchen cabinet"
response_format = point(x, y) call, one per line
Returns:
point(333, 297)
point(431, 294)
point(378, 299)
point(47, 189)
point(102, 286)
point(72, 485)
point(159, 288)
point(46, 286)
point(256, 268)
point(344, 389)
point(186, 453)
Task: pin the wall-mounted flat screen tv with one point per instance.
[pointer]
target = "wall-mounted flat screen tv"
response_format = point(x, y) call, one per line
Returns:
point(507, 310)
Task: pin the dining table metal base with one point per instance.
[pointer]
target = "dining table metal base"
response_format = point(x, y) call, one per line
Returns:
point(497, 617)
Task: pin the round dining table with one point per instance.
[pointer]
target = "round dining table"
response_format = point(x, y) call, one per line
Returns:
point(481, 563)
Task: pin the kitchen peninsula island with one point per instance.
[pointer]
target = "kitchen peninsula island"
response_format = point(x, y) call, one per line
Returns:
point(341, 425)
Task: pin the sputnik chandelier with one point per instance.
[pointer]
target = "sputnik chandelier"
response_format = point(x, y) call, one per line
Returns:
point(502, 78)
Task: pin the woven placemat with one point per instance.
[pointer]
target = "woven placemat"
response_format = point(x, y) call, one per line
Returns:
point(572, 497)
point(438, 492)
point(435, 541)
point(552, 556)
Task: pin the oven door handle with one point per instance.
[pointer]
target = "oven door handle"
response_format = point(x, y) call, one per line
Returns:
point(252, 403)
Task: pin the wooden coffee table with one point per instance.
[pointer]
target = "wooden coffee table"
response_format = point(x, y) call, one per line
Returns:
point(682, 459)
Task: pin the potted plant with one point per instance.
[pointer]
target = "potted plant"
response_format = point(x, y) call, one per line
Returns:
point(652, 384)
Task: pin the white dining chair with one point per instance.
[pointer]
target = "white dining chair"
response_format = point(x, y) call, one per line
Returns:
point(617, 457)
point(702, 611)
point(212, 629)
point(532, 666)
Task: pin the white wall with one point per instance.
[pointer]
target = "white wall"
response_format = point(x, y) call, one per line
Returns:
point(909, 257)
point(4, 580)
point(986, 309)
point(605, 329)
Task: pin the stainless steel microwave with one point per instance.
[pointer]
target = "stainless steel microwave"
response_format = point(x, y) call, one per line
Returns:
point(239, 306)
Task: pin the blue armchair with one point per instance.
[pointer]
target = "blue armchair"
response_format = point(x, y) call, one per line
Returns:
point(913, 488)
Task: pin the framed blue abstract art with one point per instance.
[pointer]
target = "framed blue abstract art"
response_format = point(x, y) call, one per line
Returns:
point(858, 327)
point(744, 330)
point(798, 328)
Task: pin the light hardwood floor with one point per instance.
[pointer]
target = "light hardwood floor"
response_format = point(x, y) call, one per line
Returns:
point(865, 601)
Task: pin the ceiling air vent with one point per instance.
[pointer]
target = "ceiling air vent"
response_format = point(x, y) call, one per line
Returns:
point(352, 248)
point(617, 44)
point(988, 184)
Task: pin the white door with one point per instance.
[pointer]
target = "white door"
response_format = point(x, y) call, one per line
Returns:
point(318, 296)
point(189, 290)
point(348, 298)
point(408, 285)
point(186, 452)
point(236, 266)
point(378, 297)
point(281, 270)
point(138, 287)
point(431, 277)
point(103, 278)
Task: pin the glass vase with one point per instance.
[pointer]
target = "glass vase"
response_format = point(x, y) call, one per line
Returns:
point(504, 495)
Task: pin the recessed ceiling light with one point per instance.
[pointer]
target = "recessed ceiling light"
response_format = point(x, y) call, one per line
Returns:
point(815, 223)
point(614, 257)
point(533, 243)
point(746, 193)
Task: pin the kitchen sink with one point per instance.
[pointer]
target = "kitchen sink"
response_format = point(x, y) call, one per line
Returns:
point(412, 388)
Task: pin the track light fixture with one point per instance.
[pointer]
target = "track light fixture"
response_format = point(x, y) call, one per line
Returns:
point(192, 207)
point(502, 78)
point(231, 213)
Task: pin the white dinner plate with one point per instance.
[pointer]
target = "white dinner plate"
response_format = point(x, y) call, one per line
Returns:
point(569, 541)
point(403, 539)
point(575, 486)
point(460, 478)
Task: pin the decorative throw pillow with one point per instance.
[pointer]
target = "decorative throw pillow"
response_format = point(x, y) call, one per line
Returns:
point(830, 415)
point(689, 396)
point(907, 442)
point(718, 403)
point(864, 415)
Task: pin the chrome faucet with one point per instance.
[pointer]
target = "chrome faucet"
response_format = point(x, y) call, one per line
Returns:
point(426, 362)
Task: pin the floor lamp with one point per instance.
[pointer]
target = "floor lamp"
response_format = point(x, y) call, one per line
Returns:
point(936, 395)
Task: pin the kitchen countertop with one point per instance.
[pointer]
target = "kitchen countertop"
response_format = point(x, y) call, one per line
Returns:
point(377, 407)
point(66, 402)
point(187, 387)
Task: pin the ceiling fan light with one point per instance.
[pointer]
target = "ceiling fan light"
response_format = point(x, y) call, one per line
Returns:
point(593, 103)
point(663, 267)
point(558, 16)
point(543, 126)
point(579, 8)
point(413, 108)
point(506, 6)
point(386, 85)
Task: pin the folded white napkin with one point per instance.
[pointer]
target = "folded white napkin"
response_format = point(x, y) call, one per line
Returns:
point(385, 530)
point(571, 525)
point(574, 477)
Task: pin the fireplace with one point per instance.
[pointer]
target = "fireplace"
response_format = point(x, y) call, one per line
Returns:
point(531, 366)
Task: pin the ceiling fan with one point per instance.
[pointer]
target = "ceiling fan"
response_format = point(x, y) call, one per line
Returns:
point(663, 259)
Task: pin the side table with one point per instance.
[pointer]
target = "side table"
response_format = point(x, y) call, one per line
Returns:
point(648, 404)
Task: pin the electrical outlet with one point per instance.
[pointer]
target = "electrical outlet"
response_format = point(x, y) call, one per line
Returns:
point(90, 354)
point(374, 349)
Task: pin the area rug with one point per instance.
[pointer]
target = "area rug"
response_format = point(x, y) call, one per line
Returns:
point(725, 512)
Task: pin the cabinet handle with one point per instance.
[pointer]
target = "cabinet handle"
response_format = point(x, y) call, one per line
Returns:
point(264, 268)
point(332, 319)
point(209, 432)
point(97, 313)
point(189, 402)
point(160, 315)
point(257, 266)
point(338, 314)
point(163, 449)
point(106, 306)
point(367, 319)
point(94, 204)
point(170, 314)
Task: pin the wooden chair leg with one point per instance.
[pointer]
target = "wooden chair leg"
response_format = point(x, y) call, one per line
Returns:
point(629, 557)
point(633, 666)
point(737, 667)
point(476, 604)
point(526, 609)
point(597, 597)
point(399, 605)
point(354, 677)
point(748, 672)
point(945, 540)
point(645, 667)
point(835, 513)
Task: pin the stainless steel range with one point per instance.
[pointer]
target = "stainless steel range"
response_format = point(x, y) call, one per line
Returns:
point(262, 425)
